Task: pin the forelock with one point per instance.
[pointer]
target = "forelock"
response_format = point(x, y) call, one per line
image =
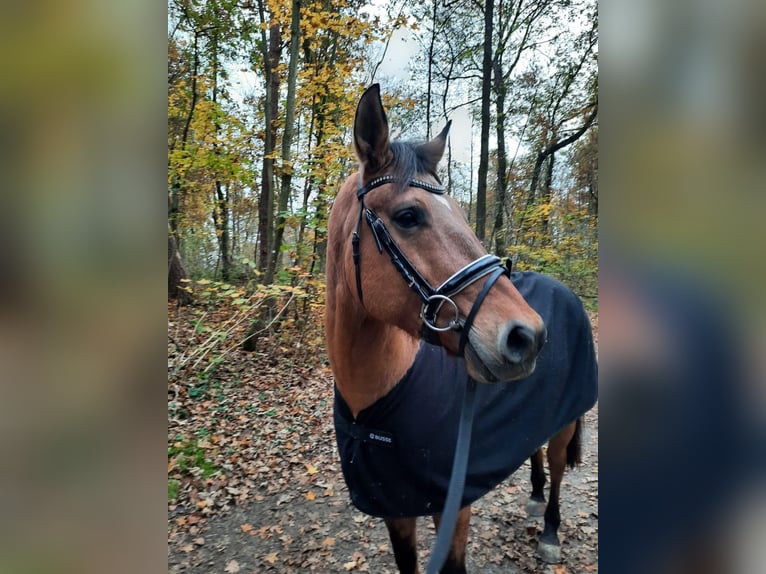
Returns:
point(408, 162)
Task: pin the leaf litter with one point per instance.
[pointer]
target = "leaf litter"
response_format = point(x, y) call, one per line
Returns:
point(257, 485)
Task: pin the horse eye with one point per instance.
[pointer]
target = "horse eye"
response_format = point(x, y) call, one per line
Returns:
point(408, 218)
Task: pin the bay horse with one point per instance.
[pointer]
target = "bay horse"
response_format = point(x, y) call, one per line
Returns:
point(402, 352)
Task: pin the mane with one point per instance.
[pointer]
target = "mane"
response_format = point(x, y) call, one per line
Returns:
point(409, 161)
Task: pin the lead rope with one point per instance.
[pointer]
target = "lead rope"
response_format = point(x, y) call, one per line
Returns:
point(463, 446)
point(456, 483)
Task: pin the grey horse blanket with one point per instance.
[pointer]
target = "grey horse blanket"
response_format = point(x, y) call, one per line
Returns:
point(397, 455)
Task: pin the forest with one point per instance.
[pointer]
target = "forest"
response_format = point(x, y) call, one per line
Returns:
point(261, 98)
point(261, 101)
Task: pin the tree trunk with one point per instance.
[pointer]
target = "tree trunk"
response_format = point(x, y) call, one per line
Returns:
point(176, 273)
point(548, 177)
point(221, 222)
point(271, 55)
point(318, 119)
point(320, 237)
point(174, 207)
point(502, 177)
point(308, 184)
point(486, 89)
point(287, 137)
point(221, 201)
point(546, 196)
point(592, 195)
point(430, 70)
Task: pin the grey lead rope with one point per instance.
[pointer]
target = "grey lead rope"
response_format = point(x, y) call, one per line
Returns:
point(456, 483)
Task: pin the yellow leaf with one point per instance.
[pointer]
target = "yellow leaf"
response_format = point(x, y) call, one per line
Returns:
point(311, 469)
point(310, 495)
point(349, 565)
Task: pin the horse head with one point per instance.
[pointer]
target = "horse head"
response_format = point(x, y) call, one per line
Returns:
point(416, 262)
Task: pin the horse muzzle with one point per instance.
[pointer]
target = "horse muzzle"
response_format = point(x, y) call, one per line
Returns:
point(514, 356)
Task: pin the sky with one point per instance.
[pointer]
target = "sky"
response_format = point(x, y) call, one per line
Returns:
point(402, 48)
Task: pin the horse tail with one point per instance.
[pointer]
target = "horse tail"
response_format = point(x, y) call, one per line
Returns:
point(574, 448)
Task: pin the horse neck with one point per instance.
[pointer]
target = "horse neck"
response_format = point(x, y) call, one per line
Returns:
point(368, 357)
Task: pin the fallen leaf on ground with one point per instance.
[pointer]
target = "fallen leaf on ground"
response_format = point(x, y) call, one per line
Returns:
point(232, 567)
point(271, 557)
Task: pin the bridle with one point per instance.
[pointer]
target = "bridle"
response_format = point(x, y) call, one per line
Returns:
point(433, 298)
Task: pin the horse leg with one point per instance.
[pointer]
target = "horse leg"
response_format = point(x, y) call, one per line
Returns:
point(549, 548)
point(536, 503)
point(455, 563)
point(403, 537)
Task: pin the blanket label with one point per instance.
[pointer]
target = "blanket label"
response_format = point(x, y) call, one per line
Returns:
point(380, 437)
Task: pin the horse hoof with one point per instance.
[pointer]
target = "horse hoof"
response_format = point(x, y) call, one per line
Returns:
point(535, 507)
point(550, 553)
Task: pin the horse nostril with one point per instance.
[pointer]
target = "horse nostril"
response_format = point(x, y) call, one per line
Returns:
point(522, 342)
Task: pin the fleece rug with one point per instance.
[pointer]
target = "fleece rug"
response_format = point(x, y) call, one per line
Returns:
point(397, 455)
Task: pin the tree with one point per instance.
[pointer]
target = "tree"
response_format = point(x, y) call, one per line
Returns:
point(558, 112)
point(287, 138)
point(176, 274)
point(270, 56)
point(518, 25)
point(179, 126)
point(486, 90)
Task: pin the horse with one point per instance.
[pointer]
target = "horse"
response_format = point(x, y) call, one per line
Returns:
point(402, 351)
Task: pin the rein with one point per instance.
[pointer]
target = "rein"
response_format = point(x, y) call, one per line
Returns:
point(433, 298)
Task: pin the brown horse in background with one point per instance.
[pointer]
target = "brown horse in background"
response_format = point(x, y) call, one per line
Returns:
point(375, 320)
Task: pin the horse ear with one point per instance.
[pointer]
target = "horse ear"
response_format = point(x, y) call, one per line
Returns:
point(371, 131)
point(431, 152)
